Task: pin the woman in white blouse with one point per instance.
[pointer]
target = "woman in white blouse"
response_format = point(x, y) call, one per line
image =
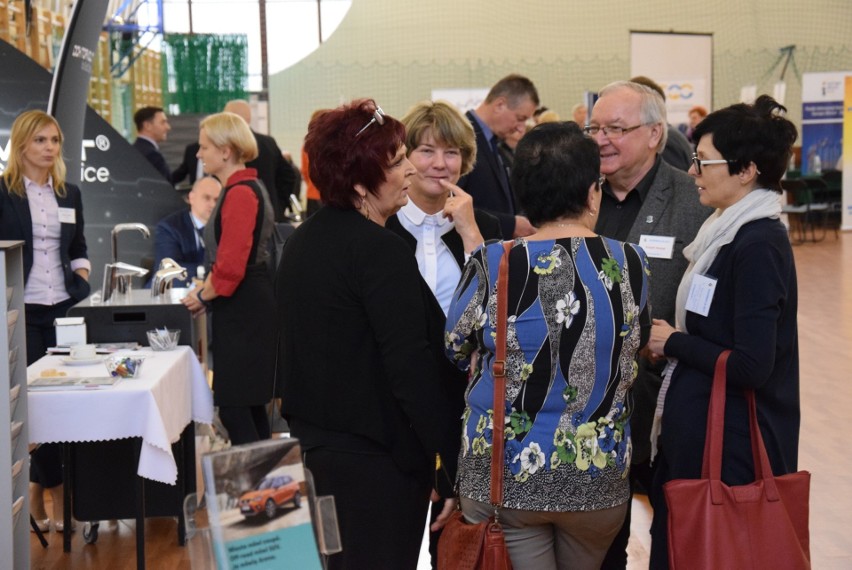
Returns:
point(38, 207)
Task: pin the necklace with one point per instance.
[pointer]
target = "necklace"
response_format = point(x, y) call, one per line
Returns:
point(565, 225)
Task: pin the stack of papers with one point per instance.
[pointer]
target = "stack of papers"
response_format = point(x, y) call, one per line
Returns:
point(71, 382)
point(100, 348)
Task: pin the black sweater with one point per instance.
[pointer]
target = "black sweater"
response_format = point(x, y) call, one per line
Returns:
point(358, 350)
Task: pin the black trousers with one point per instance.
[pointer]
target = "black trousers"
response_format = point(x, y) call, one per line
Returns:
point(46, 461)
point(245, 424)
point(380, 509)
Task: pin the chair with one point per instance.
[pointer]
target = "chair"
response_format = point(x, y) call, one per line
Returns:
point(802, 211)
point(834, 197)
point(820, 202)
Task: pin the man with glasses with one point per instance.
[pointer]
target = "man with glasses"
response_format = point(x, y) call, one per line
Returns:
point(506, 109)
point(648, 202)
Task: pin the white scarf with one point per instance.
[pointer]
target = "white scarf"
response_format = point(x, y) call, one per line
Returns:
point(717, 231)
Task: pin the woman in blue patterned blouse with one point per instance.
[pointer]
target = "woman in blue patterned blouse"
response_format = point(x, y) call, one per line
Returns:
point(577, 315)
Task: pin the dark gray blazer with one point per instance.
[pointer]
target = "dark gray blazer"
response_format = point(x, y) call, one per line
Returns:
point(673, 209)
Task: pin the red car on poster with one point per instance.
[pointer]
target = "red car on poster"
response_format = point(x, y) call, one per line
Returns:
point(273, 492)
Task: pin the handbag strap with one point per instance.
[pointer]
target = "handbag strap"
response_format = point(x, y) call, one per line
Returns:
point(712, 465)
point(499, 371)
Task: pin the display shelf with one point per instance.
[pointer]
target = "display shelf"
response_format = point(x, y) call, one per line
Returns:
point(14, 456)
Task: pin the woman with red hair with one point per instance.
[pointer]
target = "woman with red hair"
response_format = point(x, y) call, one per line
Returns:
point(359, 345)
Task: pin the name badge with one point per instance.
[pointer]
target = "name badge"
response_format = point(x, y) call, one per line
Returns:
point(67, 216)
point(701, 295)
point(661, 247)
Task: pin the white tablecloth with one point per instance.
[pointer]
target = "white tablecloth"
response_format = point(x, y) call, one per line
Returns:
point(171, 391)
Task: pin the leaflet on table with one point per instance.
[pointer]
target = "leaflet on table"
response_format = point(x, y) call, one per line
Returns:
point(44, 383)
point(100, 348)
point(258, 506)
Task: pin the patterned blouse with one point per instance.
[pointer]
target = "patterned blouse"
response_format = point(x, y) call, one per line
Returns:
point(577, 315)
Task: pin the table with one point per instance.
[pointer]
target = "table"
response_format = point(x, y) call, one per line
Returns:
point(170, 392)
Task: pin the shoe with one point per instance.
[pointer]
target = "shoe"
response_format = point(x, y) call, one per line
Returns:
point(60, 526)
point(43, 525)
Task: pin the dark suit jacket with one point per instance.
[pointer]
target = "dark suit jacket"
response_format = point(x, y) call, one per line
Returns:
point(355, 358)
point(489, 227)
point(17, 224)
point(678, 150)
point(277, 175)
point(189, 166)
point(672, 205)
point(174, 236)
point(489, 189)
point(153, 155)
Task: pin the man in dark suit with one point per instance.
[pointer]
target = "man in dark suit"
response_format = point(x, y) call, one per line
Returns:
point(152, 128)
point(190, 166)
point(277, 174)
point(648, 202)
point(507, 107)
point(178, 235)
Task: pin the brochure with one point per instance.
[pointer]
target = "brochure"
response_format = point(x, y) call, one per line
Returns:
point(45, 383)
point(258, 504)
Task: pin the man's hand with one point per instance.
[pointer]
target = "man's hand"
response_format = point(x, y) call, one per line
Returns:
point(523, 227)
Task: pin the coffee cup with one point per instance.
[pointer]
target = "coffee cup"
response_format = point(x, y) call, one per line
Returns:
point(83, 352)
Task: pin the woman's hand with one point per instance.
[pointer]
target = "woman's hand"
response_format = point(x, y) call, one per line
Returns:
point(193, 303)
point(197, 304)
point(660, 333)
point(82, 272)
point(459, 209)
point(449, 506)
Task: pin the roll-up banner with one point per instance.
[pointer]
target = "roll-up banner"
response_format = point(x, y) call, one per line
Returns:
point(70, 88)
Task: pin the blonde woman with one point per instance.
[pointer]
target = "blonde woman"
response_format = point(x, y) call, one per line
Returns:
point(238, 287)
point(38, 207)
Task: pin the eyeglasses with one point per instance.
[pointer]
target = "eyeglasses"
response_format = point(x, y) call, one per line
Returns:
point(698, 163)
point(378, 117)
point(612, 132)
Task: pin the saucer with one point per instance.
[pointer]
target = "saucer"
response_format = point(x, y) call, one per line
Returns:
point(81, 361)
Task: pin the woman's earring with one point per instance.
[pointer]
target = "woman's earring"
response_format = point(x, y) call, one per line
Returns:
point(363, 208)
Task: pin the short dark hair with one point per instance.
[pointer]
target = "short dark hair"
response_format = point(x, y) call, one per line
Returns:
point(756, 133)
point(339, 157)
point(648, 82)
point(144, 115)
point(514, 88)
point(555, 163)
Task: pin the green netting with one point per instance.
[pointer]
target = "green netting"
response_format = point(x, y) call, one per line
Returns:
point(204, 71)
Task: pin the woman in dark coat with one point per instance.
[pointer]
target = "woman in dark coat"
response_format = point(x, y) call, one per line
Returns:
point(742, 254)
point(362, 387)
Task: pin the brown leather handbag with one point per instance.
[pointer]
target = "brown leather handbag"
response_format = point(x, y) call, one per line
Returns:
point(482, 546)
point(760, 525)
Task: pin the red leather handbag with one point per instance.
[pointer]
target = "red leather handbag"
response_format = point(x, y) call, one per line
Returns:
point(760, 525)
point(482, 546)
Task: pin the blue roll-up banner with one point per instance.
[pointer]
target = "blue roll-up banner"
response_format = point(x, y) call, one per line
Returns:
point(117, 183)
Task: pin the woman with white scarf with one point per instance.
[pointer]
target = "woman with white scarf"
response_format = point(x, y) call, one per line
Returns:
point(738, 293)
